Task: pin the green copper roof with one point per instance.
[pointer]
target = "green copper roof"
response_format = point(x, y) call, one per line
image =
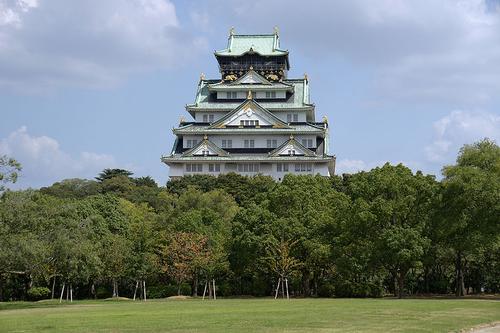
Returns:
point(294, 129)
point(256, 108)
point(265, 45)
point(299, 99)
point(246, 157)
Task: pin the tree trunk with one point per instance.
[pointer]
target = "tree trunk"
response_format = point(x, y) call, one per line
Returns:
point(426, 279)
point(178, 289)
point(459, 288)
point(306, 283)
point(62, 292)
point(215, 294)
point(53, 287)
point(282, 287)
point(136, 286)
point(194, 289)
point(144, 286)
point(1, 287)
point(277, 288)
point(205, 290)
point(92, 290)
point(71, 292)
point(401, 282)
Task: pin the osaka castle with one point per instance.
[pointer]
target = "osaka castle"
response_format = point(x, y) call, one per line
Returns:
point(253, 119)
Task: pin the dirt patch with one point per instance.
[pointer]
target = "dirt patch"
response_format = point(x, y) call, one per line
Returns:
point(484, 328)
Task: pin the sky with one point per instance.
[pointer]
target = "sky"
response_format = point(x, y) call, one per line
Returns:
point(88, 85)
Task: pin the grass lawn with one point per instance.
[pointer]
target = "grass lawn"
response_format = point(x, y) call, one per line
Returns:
point(250, 315)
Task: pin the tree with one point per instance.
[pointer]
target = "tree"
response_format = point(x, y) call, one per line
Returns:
point(282, 264)
point(110, 173)
point(145, 181)
point(471, 203)
point(72, 188)
point(400, 204)
point(9, 170)
point(181, 256)
point(143, 235)
point(305, 207)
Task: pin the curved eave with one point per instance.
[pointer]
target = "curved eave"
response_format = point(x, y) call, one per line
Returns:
point(172, 159)
point(228, 53)
point(248, 87)
point(282, 53)
point(249, 131)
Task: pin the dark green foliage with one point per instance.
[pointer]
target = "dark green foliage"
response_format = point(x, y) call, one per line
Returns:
point(72, 188)
point(163, 291)
point(111, 173)
point(38, 293)
point(369, 234)
point(9, 170)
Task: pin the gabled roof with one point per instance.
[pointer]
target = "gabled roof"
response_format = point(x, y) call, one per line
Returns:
point(205, 145)
point(250, 110)
point(250, 81)
point(291, 144)
point(251, 77)
point(200, 129)
point(205, 101)
point(265, 45)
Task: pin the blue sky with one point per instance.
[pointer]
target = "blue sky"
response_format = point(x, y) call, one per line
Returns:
point(86, 85)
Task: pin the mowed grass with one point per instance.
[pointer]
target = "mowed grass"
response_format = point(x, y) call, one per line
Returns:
point(250, 315)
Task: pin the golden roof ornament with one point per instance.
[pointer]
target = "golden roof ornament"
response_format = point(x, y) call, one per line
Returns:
point(306, 78)
point(231, 31)
point(202, 76)
point(276, 30)
point(205, 137)
point(291, 136)
point(251, 68)
point(249, 96)
point(325, 119)
point(182, 120)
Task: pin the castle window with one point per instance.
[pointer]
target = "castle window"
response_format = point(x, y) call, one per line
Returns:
point(227, 143)
point(292, 117)
point(194, 167)
point(248, 167)
point(191, 143)
point(272, 143)
point(249, 143)
point(307, 143)
point(214, 167)
point(270, 94)
point(282, 167)
point(247, 123)
point(231, 94)
point(302, 167)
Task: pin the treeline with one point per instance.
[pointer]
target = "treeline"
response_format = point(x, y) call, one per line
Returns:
point(369, 234)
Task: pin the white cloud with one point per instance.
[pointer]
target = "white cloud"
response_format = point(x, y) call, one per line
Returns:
point(350, 166)
point(419, 51)
point(44, 162)
point(458, 128)
point(52, 43)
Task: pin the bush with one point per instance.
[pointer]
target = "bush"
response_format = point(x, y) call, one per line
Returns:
point(163, 291)
point(102, 292)
point(326, 290)
point(38, 293)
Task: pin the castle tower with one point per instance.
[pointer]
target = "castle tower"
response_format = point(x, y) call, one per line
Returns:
point(253, 119)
